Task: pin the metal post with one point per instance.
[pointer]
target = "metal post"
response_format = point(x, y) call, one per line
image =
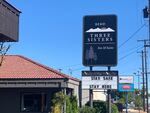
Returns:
point(109, 96)
point(126, 102)
point(91, 93)
point(109, 100)
point(91, 98)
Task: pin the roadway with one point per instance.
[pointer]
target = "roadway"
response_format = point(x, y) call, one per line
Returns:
point(133, 111)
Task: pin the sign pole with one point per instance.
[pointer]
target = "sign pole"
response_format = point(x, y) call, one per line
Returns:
point(109, 100)
point(91, 93)
point(126, 102)
point(109, 96)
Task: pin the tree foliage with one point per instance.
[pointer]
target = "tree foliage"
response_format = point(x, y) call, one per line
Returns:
point(99, 106)
point(138, 101)
point(114, 109)
point(60, 100)
point(74, 105)
point(87, 109)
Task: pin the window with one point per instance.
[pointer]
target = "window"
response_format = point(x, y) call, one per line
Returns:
point(33, 102)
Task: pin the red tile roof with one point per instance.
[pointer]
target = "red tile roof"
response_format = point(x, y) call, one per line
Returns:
point(19, 67)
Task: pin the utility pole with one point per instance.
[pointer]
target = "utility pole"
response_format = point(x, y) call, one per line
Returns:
point(146, 74)
point(146, 14)
point(145, 56)
point(143, 80)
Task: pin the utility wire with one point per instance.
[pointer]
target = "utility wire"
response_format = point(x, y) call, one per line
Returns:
point(130, 53)
point(79, 69)
point(119, 47)
point(132, 49)
point(69, 66)
point(132, 35)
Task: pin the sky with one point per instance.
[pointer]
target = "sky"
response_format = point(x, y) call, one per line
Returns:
point(51, 32)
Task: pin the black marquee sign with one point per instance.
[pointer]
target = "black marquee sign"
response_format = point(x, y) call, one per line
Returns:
point(100, 40)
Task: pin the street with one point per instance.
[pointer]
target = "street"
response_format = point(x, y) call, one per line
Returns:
point(133, 111)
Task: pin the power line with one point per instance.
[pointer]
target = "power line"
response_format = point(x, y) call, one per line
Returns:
point(132, 35)
point(130, 53)
point(69, 66)
point(133, 48)
point(79, 69)
point(119, 47)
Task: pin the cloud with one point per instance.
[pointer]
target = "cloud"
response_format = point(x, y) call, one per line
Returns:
point(100, 30)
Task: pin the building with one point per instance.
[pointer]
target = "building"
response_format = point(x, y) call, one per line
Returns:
point(9, 22)
point(27, 86)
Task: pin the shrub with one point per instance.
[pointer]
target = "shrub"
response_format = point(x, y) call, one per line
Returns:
point(74, 104)
point(99, 106)
point(71, 104)
point(87, 109)
point(114, 109)
point(120, 107)
point(68, 105)
point(60, 99)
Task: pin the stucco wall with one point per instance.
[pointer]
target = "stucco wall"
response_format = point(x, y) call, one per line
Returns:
point(97, 95)
point(85, 96)
point(75, 86)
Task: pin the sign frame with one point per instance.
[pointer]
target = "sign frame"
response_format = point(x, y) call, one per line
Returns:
point(126, 83)
point(102, 56)
point(101, 80)
point(122, 87)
